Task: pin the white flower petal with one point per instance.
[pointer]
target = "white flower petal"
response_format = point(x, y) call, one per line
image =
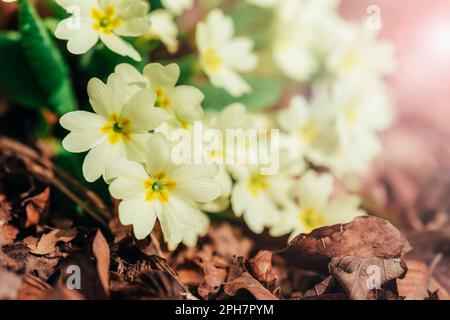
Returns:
point(203, 190)
point(162, 76)
point(177, 6)
point(144, 222)
point(131, 75)
point(85, 6)
point(171, 226)
point(186, 100)
point(314, 190)
point(193, 172)
point(82, 120)
point(107, 99)
point(81, 141)
point(135, 147)
point(134, 14)
point(221, 25)
point(238, 54)
point(186, 213)
point(98, 158)
point(343, 210)
point(79, 33)
point(130, 180)
point(164, 28)
point(231, 81)
point(120, 46)
point(158, 153)
point(142, 113)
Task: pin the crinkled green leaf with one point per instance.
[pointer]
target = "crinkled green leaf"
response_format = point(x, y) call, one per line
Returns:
point(50, 69)
point(17, 79)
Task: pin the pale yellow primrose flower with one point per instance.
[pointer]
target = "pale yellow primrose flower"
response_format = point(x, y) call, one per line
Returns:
point(223, 56)
point(304, 31)
point(118, 128)
point(358, 50)
point(231, 117)
point(361, 107)
point(105, 20)
point(164, 191)
point(315, 208)
point(191, 235)
point(308, 126)
point(181, 103)
point(177, 6)
point(257, 197)
point(163, 28)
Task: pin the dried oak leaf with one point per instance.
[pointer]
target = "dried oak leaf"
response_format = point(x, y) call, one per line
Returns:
point(48, 241)
point(100, 249)
point(358, 275)
point(364, 237)
point(247, 282)
point(35, 207)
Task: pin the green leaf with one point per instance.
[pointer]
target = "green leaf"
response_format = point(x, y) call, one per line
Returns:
point(266, 92)
point(17, 79)
point(49, 67)
point(253, 22)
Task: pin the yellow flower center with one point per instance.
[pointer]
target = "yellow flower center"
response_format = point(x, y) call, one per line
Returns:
point(117, 128)
point(212, 60)
point(158, 187)
point(350, 60)
point(311, 219)
point(309, 132)
point(351, 114)
point(105, 21)
point(257, 183)
point(161, 99)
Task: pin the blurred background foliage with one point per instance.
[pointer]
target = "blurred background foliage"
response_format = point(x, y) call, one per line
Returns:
point(41, 80)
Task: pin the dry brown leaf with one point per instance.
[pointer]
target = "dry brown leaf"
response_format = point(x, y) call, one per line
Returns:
point(441, 292)
point(33, 288)
point(321, 288)
point(100, 249)
point(358, 275)
point(228, 241)
point(8, 234)
point(5, 210)
point(364, 237)
point(213, 279)
point(35, 207)
point(415, 284)
point(153, 285)
point(247, 282)
point(261, 266)
point(10, 284)
point(48, 241)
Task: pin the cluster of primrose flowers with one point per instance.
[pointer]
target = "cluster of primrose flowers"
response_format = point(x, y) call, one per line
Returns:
point(128, 136)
